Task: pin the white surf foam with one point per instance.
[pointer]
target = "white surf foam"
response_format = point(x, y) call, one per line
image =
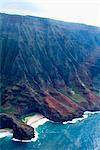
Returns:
point(17, 140)
point(5, 133)
point(44, 120)
point(91, 112)
point(25, 141)
point(84, 116)
point(39, 122)
point(34, 125)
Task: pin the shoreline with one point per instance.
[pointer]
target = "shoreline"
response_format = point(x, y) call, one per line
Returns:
point(33, 121)
point(6, 132)
point(84, 116)
point(36, 120)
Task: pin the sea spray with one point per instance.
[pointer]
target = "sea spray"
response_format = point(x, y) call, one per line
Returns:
point(5, 133)
point(34, 125)
point(43, 121)
point(84, 116)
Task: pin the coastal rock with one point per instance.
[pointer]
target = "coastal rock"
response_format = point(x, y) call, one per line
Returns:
point(50, 67)
point(21, 131)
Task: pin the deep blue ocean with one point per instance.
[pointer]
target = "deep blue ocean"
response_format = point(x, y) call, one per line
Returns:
point(82, 135)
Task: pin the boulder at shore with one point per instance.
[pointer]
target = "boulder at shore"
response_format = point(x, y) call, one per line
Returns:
point(21, 131)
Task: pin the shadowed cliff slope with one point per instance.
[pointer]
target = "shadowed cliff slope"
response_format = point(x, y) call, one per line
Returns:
point(48, 66)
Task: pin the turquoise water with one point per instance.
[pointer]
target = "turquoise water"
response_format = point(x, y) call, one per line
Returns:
point(82, 135)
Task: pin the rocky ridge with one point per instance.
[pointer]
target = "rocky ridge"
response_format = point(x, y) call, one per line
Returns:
point(47, 66)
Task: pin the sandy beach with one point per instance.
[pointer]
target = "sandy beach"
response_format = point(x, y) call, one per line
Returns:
point(33, 121)
point(5, 130)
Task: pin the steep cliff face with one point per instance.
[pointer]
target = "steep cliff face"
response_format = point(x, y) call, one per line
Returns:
point(48, 66)
point(21, 131)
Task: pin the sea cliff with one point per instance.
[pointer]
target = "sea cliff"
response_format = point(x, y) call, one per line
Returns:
point(49, 67)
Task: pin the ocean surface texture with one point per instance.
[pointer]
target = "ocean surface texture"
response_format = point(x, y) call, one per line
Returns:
point(78, 135)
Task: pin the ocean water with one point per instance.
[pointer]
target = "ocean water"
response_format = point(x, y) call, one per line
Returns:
point(80, 134)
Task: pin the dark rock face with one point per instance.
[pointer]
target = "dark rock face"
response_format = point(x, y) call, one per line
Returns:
point(21, 131)
point(48, 66)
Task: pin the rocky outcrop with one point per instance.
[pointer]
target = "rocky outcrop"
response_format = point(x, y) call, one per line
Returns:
point(21, 131)
point(50, 67)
